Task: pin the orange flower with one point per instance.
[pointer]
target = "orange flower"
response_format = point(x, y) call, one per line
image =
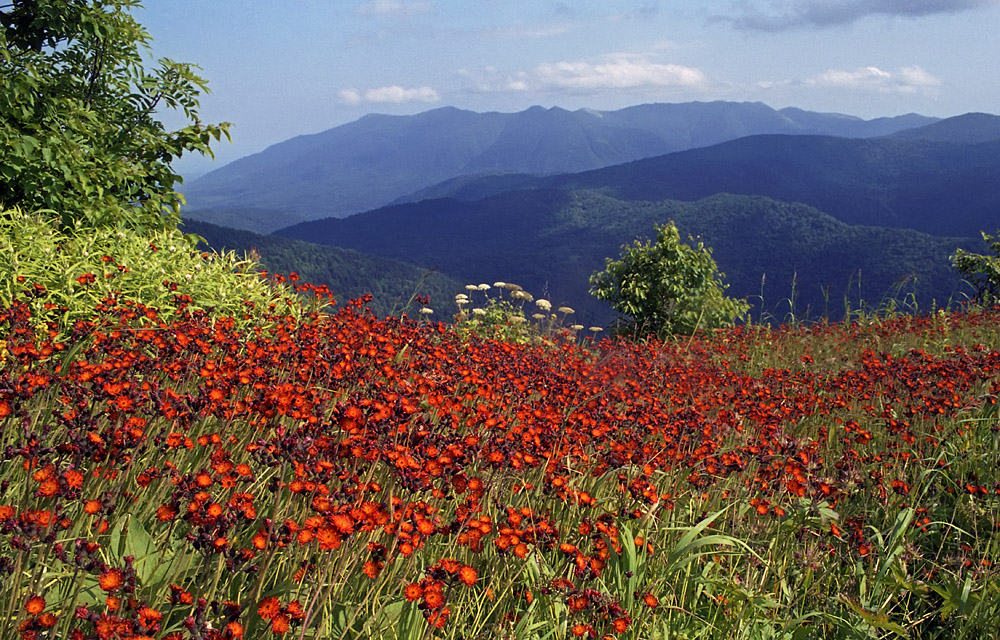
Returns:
point(343, 522)
point(149, 616)
point(328, 539)
point(295, 610)
point(35, 605)
point(74, 479)
point(235, 629)
point(449, 564)
point(47, 619)
point(166, 512)
point(651, 601)
point(279, 624)
point(269, 608)
point(110, 580)
point(413, 592)
point(49, 488)
point(438, 619)
point(468, 575)
point(371, 569)
point(433, 597)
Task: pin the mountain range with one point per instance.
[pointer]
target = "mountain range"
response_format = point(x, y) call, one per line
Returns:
point(378, 159)
point(810, 224)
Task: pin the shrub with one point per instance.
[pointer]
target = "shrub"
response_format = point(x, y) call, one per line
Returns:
point(982, 271)
point(65, 275)
point(666, 288)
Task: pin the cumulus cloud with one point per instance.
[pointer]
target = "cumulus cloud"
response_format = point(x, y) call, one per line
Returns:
point(392, 94)
point(394, 8)
point(907, 80)
point(622, 72)
point(613, 72)
point(790, 14)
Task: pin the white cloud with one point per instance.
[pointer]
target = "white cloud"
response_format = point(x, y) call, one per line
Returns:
point(790, 14)
point(908, 80)
point(394, 8)
point(350, 96)
point(392, 94)
point(614, 72)
point(619, 72)
point(916, 77)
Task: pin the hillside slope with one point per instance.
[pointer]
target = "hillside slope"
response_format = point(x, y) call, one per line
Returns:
point(349, 274)
point(550, 241)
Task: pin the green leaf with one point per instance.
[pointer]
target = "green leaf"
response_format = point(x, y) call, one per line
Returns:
point(874, 619)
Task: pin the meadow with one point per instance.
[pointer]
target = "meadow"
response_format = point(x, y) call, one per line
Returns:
point(330, 474)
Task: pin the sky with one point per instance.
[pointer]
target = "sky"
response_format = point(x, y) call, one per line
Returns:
point(281, 68)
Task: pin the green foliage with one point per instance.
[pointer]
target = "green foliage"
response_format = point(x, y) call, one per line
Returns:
point(983, 271)
point(76, 271)
point(348, 274)
point(79, 136)
point(666, 288)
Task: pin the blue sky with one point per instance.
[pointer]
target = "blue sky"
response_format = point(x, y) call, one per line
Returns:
point(278, 69)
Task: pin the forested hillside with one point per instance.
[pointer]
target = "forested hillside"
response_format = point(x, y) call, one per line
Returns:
point(347, 273)
point(550, 241)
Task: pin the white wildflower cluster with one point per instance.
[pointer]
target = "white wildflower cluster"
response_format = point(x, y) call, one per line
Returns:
point(502, 309)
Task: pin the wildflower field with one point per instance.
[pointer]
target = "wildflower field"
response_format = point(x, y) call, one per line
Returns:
point(340, 476)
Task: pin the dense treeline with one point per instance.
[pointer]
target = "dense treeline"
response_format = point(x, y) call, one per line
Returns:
point(347, 273)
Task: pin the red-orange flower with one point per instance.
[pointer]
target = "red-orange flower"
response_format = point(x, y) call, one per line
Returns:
point(166, 512)
point(413, 592)
point(279, 624)
point(438, 619)
point(468, 575)
point(110, 580)
point(268, 608)
point(433, 596)
point(35, 605)
point(149, 616)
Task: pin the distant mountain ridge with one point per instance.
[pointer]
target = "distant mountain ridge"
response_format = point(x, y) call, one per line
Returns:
point(915, 182)
point(378, 159)
point(967, 128)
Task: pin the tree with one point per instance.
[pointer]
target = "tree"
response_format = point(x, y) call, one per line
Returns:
point(667, 288)
point(982, 271)
point(79, 134)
